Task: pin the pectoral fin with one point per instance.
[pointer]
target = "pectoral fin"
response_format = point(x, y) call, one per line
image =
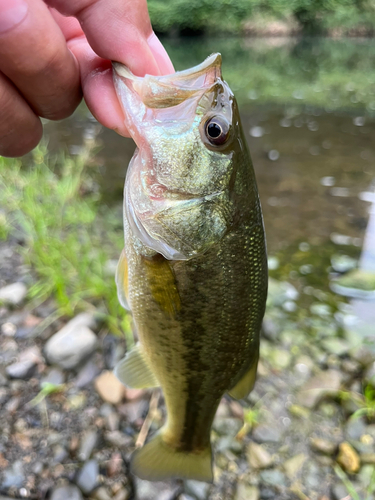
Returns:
point(162, 283)
point(122, 281)
point(246, 383)
point(134, 371)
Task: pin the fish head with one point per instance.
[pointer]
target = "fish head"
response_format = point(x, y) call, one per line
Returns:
point(179, 185)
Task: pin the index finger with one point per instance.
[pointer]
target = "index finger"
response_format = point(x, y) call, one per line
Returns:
point(119, 30)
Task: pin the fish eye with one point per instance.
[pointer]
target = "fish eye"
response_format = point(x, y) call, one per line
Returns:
point(217, 130)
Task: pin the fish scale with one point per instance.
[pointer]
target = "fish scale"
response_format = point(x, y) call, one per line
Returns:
point(194, 269)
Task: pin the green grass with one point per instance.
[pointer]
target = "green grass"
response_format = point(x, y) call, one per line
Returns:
point(68, 235)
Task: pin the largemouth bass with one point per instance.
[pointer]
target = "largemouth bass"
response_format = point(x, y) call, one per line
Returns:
point(193, 272)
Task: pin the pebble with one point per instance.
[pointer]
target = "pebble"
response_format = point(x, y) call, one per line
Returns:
point(294, 465)
point(258, 457)
point(273, 477)
point(246, 492)
point(69, 492)
point(355, 428)
point(227, 426)
point(147, 490)
point(115, 463)
point(348, 458)
point(73, 343)
point(323, 446)
point(54, 377)
point(118, 438)
point(14, 476)
point(266, 434)
point(339, 492)
point(88, 476)
point(109, 387)
point(197, 489)
point(13, 294)
point(87, 374)
point(25, 366)
point(326, 382)
point(88, 443)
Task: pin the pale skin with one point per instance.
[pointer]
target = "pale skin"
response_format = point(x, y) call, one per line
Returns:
point(54, 51)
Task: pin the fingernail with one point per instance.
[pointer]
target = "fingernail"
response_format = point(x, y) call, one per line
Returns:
point(161, 57)
point(12, 12)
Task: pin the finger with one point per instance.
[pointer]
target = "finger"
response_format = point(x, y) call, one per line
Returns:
point(117, 30)
point(20, 128)
point(34, 56)
point(97, 86)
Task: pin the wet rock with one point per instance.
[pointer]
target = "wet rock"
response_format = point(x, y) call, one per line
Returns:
point(73, 343)
point(87, 374)
point(88, 476)
point(228, 443)
point(133, 410)
point(324, 384)
point(147, 490)
point(294, 465)
point(266, 434)
point(113, 351)
point(13, 294)
point(348, 458)
point(273, 477)
point(14, 476)
point(197, 489)
point(258, 457)
point(60, 454)
point(69, 492)
point(88, 443)
point(109, 387)
point(323, 446)
point(246, 492)
point(113, 421)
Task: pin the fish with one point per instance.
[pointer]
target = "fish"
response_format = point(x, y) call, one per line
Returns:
point(193, 272)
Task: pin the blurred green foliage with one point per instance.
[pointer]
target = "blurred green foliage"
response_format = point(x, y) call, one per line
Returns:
point(231, 15)
point(68, 236)
point(321, 72)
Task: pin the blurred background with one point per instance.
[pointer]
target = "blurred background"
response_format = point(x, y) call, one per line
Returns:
point(303, 73)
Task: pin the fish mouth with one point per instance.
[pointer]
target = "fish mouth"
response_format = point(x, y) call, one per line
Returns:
point(170, 90)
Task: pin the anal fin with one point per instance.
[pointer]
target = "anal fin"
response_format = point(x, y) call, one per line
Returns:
point(245, 384)
point(134, 371)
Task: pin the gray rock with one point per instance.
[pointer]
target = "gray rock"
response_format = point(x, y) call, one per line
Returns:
point(183, 497)
point(13, 294)
point(24, 367)
point(323, 446)
point(21, 369)
point(14, 476)
point(60, 454)
point(54, 376)
point(324, 384)
point(273, 477)
point(73, 343)
point(88, 476)
point(88, 443)
point(339, 492)
point(227, 426)
point(87, 374)
point(197, 489)
point(370, 374)
point(69, 492)
point(266, 434)
point(118, 439)
point(355, 428)
point(147, 490)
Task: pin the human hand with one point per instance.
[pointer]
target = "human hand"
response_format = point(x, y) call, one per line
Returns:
point(47, 61)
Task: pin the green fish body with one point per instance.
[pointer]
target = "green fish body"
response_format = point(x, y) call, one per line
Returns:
point(193, 271)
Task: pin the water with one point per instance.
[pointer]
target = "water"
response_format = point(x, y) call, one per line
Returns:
point(308, 110)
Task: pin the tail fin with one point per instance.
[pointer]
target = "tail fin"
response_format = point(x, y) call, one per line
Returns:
point(156, 461)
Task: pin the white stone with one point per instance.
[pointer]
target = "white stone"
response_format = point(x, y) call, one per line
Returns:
point(13, 294)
